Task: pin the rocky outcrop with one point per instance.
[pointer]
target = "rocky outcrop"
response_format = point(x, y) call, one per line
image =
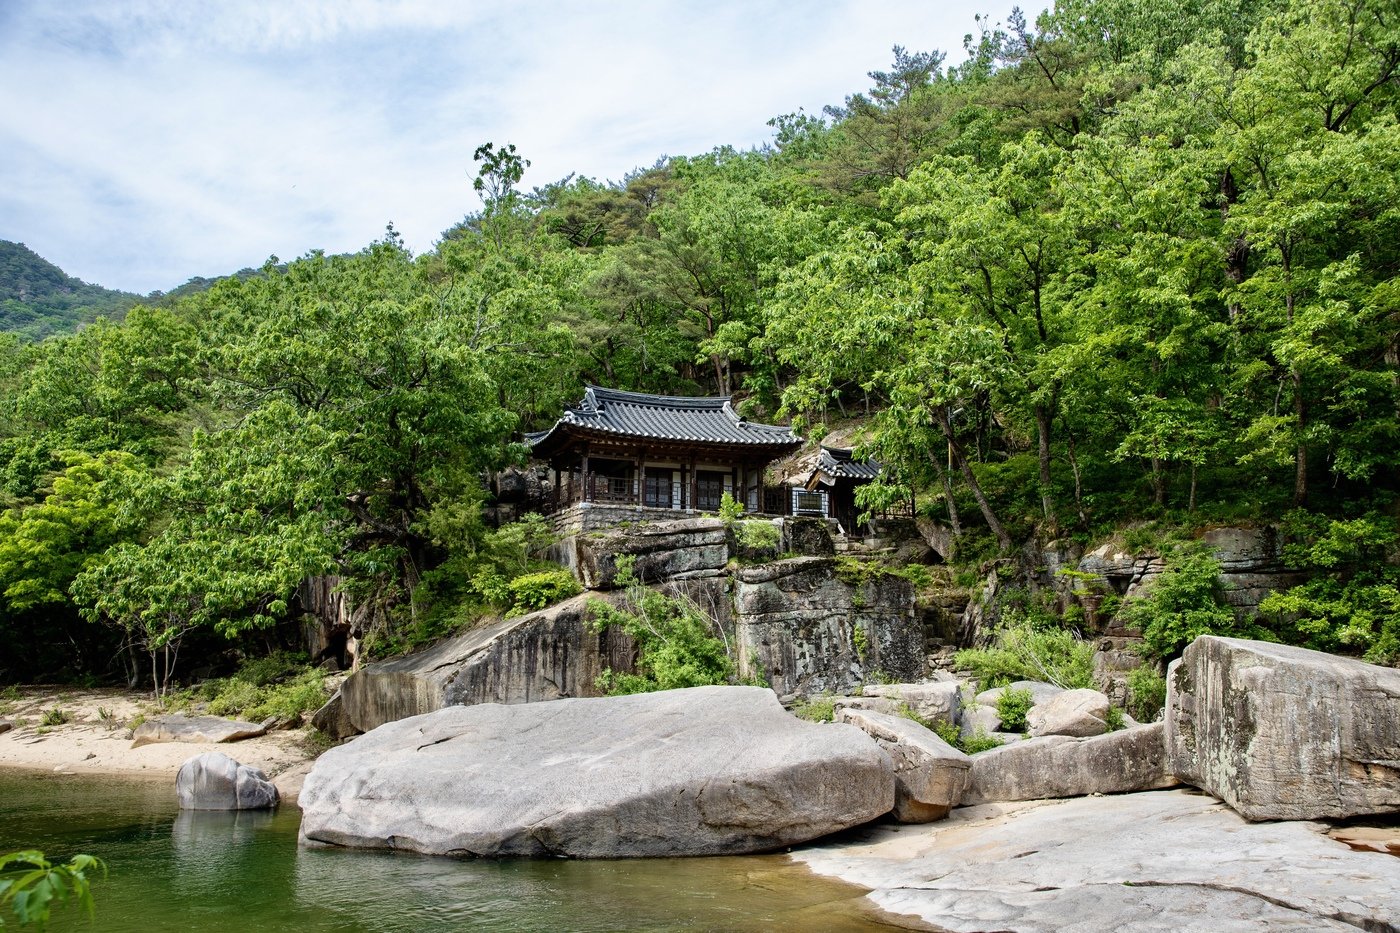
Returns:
point(1059, 766)
point(930, 774)
point(703, 771)
point(541, 656)
point(214, 781)
point(1168, 860)
point(808, 537)
point(663, 551)
point(1251, 566)
point(180, 728)
point(808, 631)
point(1078, 713)
point(1284, 733)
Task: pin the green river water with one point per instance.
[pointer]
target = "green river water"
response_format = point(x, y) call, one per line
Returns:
point(173, 870)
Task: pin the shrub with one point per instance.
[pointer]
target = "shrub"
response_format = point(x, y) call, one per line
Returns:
point(979, 741)
point(1020, 651)
point(730, 510)
point(289, 701)
point(54, 717)
point(757, 535)
point(1012, 707)
point(1147, 693)
point(534, 591)
point(815, 709)
point(676, 647)
point(1183, 603)
point(300, 694)
point(1114, 719)
point(1353, 602)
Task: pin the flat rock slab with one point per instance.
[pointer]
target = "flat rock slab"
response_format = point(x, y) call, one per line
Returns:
point(1284, 733)
point(1159, 861)
point(703, 771)
point(1060, 766)
point(179, 728)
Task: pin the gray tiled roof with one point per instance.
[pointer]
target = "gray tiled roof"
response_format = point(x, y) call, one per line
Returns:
point(840, 461)
point(666, 417)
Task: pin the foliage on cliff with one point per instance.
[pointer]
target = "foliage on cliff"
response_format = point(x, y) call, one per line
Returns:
point(1126, 261)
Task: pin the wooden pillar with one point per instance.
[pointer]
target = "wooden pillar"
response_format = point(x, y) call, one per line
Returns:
point(744, 485)
point(694, 485)
point(587, 493)
point(641, 479)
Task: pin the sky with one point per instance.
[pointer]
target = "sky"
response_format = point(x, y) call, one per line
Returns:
point(144, 142)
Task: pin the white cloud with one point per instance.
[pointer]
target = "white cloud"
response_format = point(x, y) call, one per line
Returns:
point(152, 141)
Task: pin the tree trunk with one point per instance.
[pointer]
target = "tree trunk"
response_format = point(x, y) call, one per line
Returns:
point(943, 477)
point(1044, 422)
point(1300, 410)
point(1159, 483)
point(994, 523)
point(1237, 254)
point(1078, 482)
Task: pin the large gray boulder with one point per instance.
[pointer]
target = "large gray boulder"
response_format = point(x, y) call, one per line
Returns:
point(545, 655)
point(1078, 713)
point(1061, 766)
point(1131, 863)
point(939, 701)
point(181, 728)
point(703, 771)
point(214, 781)
point(661, 551)
point(1284, 733)
point(930, 774)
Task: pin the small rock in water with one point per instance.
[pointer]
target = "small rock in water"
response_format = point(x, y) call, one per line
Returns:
point(214, 781)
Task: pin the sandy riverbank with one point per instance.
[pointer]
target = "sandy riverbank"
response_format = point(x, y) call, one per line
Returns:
point(96, 739)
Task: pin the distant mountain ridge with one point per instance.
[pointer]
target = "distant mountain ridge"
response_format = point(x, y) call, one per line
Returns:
point(38, 299)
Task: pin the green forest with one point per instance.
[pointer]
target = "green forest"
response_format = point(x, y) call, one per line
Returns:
point(1132, 263)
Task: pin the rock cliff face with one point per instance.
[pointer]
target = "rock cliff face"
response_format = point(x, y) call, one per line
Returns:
point(545, 655)
point(796, 622)
point(808, 631)
point(1250, 566)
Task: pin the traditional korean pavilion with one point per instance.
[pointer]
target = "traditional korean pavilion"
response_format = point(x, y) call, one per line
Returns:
point(659, 451)
point(830, 489)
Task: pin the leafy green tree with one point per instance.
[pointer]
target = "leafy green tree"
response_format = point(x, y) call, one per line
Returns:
point(31, 885)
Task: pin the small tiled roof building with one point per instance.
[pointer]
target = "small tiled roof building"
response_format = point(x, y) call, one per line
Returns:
point(659, 451)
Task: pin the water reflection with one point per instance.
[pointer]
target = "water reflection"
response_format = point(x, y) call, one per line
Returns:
point(210, 870)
